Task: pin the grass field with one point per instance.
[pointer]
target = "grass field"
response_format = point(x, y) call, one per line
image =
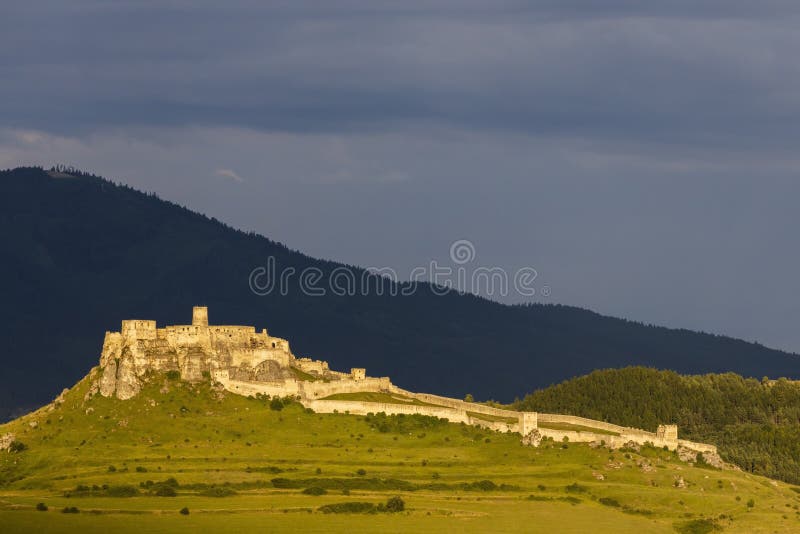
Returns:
point(451, 476)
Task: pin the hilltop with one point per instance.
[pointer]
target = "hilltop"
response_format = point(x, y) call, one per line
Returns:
point(82, 253)
point(226, 425)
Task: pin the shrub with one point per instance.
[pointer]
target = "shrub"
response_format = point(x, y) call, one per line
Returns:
point(697, 526)
point(484, 485)
point(314, 490)
point(41, 507)
point(701, 461)
point(112, 469)
point(751, 503)
point(17, 446)
point(122, 491)
point(276, 404)
point(348, 508)
point(140, 469)
point(576, 488)
point(395, 504)
point(608, 501)
point(184, 511)
point(163, 490)
point(70, 510)
point(173, 375)
point(218, 491)
point(361, 472)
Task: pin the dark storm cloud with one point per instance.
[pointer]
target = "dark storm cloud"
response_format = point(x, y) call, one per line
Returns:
point(720, 73)
point(641, 155)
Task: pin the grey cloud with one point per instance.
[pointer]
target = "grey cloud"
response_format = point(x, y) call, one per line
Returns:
point(640, 155)
point(720, 73)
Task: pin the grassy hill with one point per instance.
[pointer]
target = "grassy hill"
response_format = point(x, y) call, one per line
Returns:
point(81, 253)
point(238, 464)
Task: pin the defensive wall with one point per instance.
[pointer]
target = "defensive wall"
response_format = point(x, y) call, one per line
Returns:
point(524, 422)
point(303, 388)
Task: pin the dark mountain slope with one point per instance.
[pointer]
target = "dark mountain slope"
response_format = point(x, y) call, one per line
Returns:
point(80, 254)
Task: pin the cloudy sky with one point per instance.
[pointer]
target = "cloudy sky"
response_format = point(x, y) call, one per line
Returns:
point(641, 156)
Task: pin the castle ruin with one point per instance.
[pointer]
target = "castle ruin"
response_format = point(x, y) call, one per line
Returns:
point(247, 362)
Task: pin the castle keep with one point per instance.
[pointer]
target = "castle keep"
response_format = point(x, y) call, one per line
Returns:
point(238, 357)
point(247, 362)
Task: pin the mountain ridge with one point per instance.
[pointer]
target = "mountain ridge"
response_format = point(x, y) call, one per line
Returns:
point(80, 255)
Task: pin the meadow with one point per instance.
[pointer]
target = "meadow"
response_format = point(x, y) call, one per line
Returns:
point(233, 463)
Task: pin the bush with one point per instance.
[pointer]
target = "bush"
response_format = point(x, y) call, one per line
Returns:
point(697, 526)
point(122, 491)
point(41, 507)
point(751, 503)
point(70, 510)
point(395, 504)
point(173, 375)
point(140, 469)
point(17, 446)
point(218, 491)
point(276, 404)
point(163, 490)
point(576, 488)
point(314, 490)
point(184, 511)
point(608, 501)
point(112, 469)
point(361, 472)
point(484, 485)
point(348, 508)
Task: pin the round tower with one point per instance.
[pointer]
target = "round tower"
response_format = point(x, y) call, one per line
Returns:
point(200, 316)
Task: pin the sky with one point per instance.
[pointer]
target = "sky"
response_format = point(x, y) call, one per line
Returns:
point(640, 156)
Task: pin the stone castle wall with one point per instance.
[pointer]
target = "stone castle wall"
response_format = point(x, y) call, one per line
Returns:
point(699, 447)
point(364, 408)
point(582, 421)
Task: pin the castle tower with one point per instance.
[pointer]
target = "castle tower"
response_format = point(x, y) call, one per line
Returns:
point(199, 316)
point(358, 373)
point(669, 433)
point(528, 422)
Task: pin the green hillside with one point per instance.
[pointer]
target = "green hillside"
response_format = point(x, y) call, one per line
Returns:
point(754, 423)
point(237, 463)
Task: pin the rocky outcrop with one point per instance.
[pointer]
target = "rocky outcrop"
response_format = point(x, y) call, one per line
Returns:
point(533, 439)
point(6, 440)
point(711, 458)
